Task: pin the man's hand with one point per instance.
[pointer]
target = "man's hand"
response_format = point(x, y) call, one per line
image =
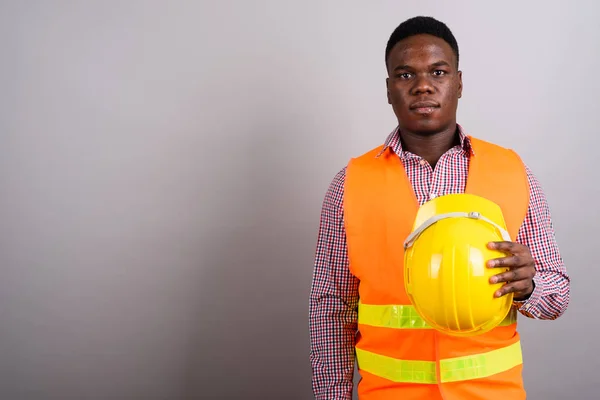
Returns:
point(522, 269)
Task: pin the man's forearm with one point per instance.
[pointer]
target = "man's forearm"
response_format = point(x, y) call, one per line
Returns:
point(332, 334)
point(333, 303)
point(550, 297)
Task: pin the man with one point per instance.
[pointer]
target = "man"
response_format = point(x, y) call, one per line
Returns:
point(435, 157)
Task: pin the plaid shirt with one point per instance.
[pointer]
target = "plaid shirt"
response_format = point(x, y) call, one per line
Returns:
point(334, 291)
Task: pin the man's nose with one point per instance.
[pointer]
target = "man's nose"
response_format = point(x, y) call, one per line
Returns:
point(422, 85)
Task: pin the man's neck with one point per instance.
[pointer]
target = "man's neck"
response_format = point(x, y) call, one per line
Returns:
point(430, 147)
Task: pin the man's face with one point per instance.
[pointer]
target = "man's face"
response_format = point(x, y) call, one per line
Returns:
point(423, 84)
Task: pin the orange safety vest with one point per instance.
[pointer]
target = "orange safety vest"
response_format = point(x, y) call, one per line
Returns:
point(398, 355)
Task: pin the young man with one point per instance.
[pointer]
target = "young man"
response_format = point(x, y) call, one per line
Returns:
point(366, 215)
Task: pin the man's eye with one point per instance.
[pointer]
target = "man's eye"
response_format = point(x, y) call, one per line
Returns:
point(404, 75)
point(439, 72)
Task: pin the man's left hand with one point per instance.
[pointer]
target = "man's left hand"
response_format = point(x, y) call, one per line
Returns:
point(522, 269)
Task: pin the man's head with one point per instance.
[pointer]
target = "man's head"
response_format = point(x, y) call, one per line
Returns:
point(424, 83)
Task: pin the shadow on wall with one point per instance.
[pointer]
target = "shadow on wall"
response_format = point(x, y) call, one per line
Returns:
point(251, 314)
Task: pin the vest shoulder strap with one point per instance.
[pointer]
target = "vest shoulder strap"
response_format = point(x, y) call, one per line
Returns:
point(378, 200)
point(499, 174)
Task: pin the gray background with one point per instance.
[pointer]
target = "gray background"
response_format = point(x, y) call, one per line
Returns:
point(162, 167)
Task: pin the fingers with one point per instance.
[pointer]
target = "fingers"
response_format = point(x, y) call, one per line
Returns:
point(518, 281)
point(510, 261)
point(509, 247)
point(519, 277)
point(519, 255)
point(526, 273)
point(516, 287)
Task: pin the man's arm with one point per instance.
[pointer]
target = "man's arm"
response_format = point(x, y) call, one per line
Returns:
point(333, 303)
point(550, 296)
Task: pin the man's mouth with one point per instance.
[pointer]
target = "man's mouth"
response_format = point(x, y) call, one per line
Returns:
point(424, 107)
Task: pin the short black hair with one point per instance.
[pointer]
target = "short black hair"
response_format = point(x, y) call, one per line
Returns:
point(421, 25)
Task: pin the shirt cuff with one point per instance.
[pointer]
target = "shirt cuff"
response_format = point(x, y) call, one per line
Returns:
point(534, 298)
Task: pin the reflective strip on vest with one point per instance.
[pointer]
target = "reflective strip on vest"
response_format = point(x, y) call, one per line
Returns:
point(451, 369)
point(405, 317)
point(395, 370)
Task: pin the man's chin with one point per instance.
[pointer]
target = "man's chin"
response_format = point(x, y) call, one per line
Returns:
point(425, 128)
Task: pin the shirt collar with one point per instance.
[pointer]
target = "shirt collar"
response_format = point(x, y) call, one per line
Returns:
point(394, 143)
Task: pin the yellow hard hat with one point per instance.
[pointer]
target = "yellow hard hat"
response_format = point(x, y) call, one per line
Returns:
point(445, 271)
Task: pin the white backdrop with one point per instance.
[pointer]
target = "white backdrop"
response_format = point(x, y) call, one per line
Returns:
point(162, 167)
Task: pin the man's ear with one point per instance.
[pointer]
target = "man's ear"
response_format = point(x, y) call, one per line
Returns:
point(460, 84)
point(387, 88)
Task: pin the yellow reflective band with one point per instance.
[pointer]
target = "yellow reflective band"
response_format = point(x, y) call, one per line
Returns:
point(395, 370)
point(481, 365)
point(394, 316)
point(451, 369)
point(404, 316)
